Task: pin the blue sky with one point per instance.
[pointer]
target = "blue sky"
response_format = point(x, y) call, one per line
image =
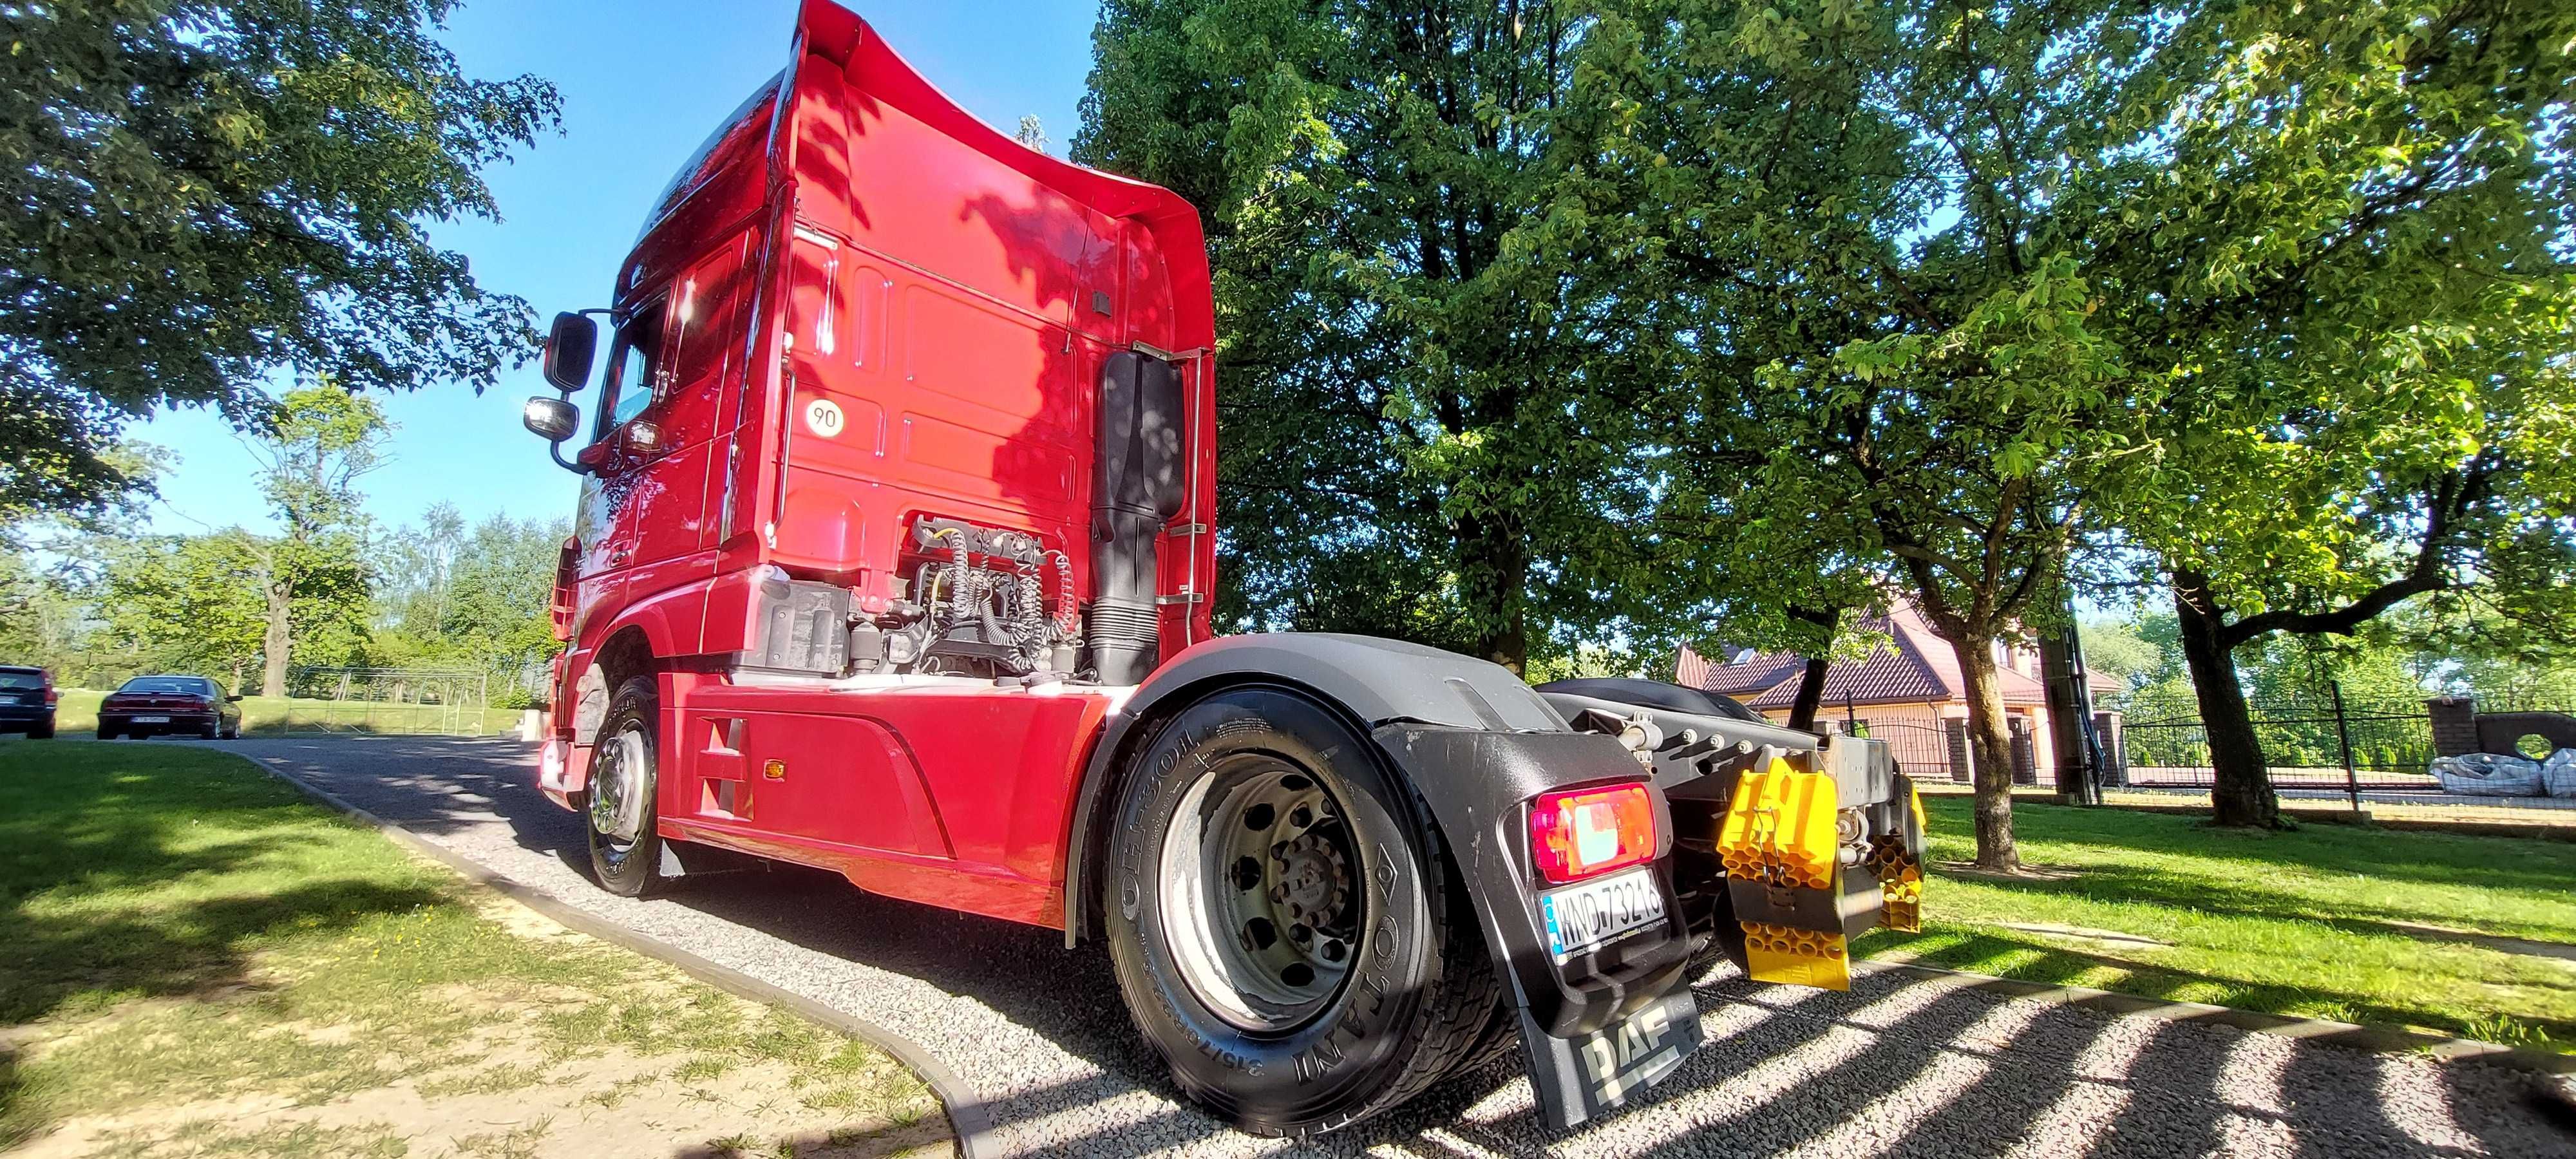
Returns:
point(643, 82)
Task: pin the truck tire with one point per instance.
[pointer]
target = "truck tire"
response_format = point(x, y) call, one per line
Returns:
point(1285, 924)
point(625, 764)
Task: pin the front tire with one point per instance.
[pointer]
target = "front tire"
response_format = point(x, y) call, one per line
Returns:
point(625, 768)
point(1285, 924)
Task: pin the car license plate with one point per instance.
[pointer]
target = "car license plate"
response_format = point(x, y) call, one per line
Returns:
point(151, 720)
point(1581, 917)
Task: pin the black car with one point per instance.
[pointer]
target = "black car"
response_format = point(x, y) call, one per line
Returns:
point(147, 705)
point(27, 701)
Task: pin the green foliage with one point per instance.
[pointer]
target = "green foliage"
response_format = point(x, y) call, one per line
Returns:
point(1432, 429)
point(200, 192)
point(481, 599)
point(186, 603)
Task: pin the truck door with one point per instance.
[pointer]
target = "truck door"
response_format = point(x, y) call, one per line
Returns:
point(605, 522)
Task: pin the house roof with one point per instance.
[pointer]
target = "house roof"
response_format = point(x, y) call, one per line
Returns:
point(1914, 666)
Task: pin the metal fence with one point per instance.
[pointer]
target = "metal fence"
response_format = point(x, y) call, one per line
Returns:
point(2322, 741)
point(406, 701)
point(1921, 750)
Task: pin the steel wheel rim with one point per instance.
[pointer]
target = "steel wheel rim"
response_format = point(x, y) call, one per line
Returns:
point(1262, 894)
point(619, 782)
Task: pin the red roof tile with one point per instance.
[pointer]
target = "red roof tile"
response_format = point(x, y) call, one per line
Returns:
point(1914, 666)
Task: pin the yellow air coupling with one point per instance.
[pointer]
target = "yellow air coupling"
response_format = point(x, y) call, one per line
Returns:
point(1894, 861)
point(1795, 957)
point(1780, 832)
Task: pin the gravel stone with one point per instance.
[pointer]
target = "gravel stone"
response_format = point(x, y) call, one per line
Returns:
point(1898, 1066)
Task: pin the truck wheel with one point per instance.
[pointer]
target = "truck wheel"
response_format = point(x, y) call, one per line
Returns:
point(625, 852)
point(1285, 926)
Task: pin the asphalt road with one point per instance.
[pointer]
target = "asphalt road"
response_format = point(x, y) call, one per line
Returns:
point(1898, 1066)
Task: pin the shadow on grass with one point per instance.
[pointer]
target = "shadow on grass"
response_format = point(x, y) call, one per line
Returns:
point(2496, 863)
point(155, 871)
point(2053, 964)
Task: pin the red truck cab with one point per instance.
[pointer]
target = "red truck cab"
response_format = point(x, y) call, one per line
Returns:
point(894, 552)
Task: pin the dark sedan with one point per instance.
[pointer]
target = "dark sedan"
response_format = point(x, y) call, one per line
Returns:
point(147, 705)
point(27, 701)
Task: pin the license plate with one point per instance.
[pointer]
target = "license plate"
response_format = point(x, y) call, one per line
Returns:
point(1581, 917)
point(151, 720)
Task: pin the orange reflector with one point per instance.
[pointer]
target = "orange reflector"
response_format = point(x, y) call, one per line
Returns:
point(1579, 833)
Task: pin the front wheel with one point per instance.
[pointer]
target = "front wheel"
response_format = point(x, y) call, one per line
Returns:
point(625, 763)
point(1286, 928)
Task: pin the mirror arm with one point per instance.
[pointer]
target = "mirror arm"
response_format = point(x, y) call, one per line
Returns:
point(556, 450)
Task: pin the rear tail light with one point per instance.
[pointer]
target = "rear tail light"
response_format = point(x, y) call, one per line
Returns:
point(1580, 833)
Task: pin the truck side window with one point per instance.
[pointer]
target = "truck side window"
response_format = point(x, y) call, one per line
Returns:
point(633, 372)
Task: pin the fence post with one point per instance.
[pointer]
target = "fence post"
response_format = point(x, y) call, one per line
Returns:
point(2343, 734)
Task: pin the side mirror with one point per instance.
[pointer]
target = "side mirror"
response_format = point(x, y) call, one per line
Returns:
point(551, 419)
point(570, 346)
point(235, 698)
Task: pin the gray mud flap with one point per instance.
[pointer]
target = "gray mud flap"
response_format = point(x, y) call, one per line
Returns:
point(1578, 1079)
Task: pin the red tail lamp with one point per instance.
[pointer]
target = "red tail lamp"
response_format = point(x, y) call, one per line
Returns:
point(1579, 833)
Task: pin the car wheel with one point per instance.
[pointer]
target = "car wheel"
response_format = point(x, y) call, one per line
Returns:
point(106, 731)
point(41, 730)
point(232, 731)
point(210, 732)
point(1285, 925)
point(625, 852)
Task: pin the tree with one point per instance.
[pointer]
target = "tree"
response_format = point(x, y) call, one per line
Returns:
point(313, 578)
point(1840, 220)
point(2014, 273)
point(481, 599)
point(1431, 422)
point(2363, 301)
point(2116, 648)
point(192, 603)
point(201, 192)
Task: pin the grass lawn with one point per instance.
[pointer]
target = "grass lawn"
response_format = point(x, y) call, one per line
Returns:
point(2469, 936)
point(78, 712)
point(198, 962)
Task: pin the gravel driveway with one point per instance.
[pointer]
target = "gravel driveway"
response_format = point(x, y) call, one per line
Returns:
point(1898, 1066)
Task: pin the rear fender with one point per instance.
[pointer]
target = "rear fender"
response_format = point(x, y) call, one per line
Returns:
point(1476, 743)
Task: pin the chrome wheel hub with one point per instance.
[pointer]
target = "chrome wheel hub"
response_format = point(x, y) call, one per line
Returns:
point(620, 780)
point(1260, 891)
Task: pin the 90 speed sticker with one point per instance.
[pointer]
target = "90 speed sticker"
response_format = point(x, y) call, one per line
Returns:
point(823, 417)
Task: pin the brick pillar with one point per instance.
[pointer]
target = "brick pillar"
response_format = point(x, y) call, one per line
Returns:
point(1963, 763)
point(2025, 759)
point(2455, 725)
point(2115, 749)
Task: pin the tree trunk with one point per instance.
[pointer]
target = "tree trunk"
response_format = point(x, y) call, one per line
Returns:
point(1494, 584)
point(281, 600)
point(1811, 694)
point(1991, 748)
point(2240, 791)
